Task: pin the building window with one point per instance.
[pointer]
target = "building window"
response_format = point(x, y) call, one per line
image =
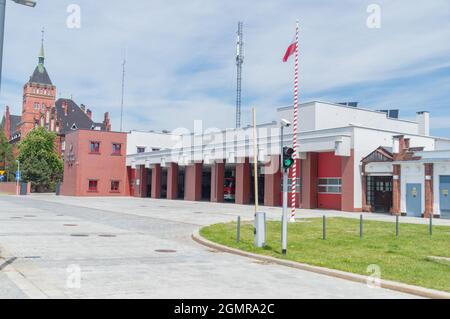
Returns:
point(141, 149)
point(370, 190)
point(115, 186)
point(93, 184)
point(116, 149)
point(330, 185)
point(36, 105)
point(298, 187)
point(94, 148)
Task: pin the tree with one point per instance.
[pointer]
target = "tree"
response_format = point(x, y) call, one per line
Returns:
point(7, 160)
point(39, 162)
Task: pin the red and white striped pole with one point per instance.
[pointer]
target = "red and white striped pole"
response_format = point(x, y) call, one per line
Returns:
point(294, 139)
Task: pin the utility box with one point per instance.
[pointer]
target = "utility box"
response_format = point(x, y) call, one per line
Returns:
point(260, 229)
point(58, 189)
point(23, 188)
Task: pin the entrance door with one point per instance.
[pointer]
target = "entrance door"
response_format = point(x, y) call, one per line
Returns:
point(382, 193)
point(444, 194)
point(414, 200)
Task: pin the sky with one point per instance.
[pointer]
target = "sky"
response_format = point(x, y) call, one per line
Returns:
point(181, 57)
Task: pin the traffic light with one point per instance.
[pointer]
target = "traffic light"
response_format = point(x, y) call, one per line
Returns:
point(288, 161)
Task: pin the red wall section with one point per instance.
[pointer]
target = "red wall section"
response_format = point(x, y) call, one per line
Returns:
point(329, 165)
point(80, 165)
point(329, 201)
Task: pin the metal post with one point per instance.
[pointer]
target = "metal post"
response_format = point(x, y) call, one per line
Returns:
point(18, 179)
point(431, 224)
point(2, 34)
point(238, 235)
point(324, 228)
point(284, 217)
point(396, 226)
point(285, 198)
point(361, 226)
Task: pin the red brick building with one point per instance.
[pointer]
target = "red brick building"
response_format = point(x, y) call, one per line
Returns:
point(41, 109)
point(95, 164)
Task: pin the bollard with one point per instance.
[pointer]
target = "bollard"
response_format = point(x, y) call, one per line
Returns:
point(260, 230)
point(238, 230)
point(324, 228)
point(361, 226)
point(431, 225)
point(396, 226)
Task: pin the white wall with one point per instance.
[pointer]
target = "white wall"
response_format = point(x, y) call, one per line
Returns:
point(320, 115)
point(331, 115)
point(306, 116)
point(149, 140)
point(442, 144)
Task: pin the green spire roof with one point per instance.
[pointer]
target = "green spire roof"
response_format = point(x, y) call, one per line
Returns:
point(40, 74)
point(41, 54)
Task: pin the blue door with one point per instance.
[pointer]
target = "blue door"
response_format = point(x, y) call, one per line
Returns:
point(414, 200)
point(444, 195)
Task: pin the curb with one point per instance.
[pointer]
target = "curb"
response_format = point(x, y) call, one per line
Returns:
point(387, 284)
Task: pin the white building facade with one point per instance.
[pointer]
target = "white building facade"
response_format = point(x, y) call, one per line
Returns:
point(348, 159)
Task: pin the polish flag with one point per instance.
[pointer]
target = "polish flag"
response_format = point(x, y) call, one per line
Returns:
point(290, 51)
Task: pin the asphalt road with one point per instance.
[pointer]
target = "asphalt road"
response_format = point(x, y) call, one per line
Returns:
point(58, 247)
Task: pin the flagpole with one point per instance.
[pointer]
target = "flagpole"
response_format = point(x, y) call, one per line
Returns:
point(294, 140)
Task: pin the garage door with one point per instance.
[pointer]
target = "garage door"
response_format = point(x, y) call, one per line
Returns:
point(444, 191)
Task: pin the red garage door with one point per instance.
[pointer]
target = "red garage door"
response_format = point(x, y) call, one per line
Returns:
point(329, 181)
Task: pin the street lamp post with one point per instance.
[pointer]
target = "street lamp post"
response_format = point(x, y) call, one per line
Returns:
point(283, 124)
point(18, 176)
point(28, 3)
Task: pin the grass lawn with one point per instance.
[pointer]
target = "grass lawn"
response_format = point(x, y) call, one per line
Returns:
point(405, 259)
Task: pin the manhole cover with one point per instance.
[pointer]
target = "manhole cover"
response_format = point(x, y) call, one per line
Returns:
point(107, 236)
point(198, 212)
point(70, 225)
point(30, 216)
point(16, 217)
point(79, 235)
point(165, 251)
point(32, 257)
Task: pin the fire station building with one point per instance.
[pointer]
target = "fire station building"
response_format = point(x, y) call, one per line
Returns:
point(349, 158)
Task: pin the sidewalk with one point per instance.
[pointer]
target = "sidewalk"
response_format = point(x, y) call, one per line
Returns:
point(216, 212)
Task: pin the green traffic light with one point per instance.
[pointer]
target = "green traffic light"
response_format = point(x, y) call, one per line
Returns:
point(288, 163)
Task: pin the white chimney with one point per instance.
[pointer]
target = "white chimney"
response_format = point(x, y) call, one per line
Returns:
point(423, 119)
point(395, 145)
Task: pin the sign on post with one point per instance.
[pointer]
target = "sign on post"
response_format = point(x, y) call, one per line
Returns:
point(17, 176)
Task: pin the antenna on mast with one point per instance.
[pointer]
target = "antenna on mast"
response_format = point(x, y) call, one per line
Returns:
point(123, 93)
point(239, 63)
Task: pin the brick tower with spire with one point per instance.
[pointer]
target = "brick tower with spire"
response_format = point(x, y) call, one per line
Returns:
point(39, 96)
